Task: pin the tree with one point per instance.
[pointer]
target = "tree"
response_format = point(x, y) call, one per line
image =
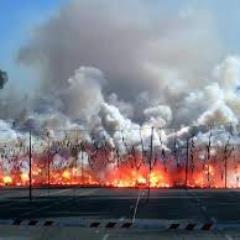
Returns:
point(3, 78)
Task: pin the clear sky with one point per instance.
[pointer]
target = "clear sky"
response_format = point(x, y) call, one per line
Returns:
point(18, 17)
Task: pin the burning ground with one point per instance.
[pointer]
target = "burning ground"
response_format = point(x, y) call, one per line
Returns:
point(194, 161)
point(115, 79)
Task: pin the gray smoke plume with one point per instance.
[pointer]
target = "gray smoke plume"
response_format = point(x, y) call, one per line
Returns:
point(119, 78)
point(116, 65)
point(139, 53)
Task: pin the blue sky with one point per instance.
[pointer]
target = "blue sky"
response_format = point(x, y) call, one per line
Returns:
point(18, 17)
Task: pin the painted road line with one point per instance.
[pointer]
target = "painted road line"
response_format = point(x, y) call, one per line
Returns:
point(136, 206)
point(56, 203)
point(54, 193)
point(12, 193)
point(114, 224)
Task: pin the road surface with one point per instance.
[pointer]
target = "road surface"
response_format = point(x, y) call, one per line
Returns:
point(219, 207)
point(176, 204)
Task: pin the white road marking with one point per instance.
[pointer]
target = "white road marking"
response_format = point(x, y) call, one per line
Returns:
point(8, 204)
point(122, 218)
point(4, 195)
point(57, 202)
point(132, 197)
point(228, 237)
point(136, 206)
point(105, 237)
point(54, 192)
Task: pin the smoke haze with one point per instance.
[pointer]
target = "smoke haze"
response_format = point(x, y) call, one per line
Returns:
point(120, 81)
point(117, 65)
point(163, 58)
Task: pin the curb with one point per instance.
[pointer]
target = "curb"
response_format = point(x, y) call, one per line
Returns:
point(113, 224)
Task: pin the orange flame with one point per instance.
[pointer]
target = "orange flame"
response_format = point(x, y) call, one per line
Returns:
point(130, 172)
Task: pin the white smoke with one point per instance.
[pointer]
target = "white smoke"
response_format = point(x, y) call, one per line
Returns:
point(114, 67)
point(83, 96)
point(158, 55)
point(6, 132)
point(222, 96)
point(158, 116)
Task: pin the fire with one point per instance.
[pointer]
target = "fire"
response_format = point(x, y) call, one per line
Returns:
point(66, 175)
point(157, 179)
point(7, 180)
point(24, 177)
point(125, 176)
point(102, 168)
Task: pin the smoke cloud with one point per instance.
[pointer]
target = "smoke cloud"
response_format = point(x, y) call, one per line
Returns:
point(162, 57)
point(117, 66)
point(127, 79)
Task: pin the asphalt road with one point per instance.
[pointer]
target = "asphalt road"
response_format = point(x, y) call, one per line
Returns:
point(220, 206)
